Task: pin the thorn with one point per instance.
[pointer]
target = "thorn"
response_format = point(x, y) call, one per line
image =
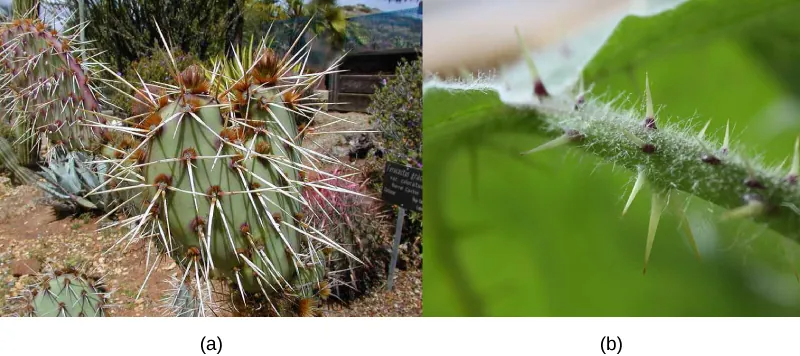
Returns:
point(656, 208)
point(702, 133)
point(726, 142)
point(795, 170)
point(650, 117)
point(638, 141)
point(753, 207)
point(787, 245)
point(637, 186)
point(581, 98)
point(569, 136)
point(465, 74)
point(538, 87)
point(687, 228)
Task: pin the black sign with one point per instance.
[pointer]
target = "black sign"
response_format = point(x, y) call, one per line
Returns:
point(402, 186)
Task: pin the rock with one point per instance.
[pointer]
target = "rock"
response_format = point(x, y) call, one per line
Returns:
point(27, 266)
point(340, 151)
point(360, 146)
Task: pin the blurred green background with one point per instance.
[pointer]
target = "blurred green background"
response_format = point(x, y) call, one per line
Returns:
point(542, 235)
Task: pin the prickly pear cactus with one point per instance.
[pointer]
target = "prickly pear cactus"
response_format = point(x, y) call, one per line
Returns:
point(221, 175)
point(65, 293)
point(49, 89)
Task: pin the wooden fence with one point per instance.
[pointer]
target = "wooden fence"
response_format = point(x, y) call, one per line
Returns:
point(352, 89)
point(353, 92)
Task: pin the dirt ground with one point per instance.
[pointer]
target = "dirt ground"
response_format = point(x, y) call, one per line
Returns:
point(31, 236)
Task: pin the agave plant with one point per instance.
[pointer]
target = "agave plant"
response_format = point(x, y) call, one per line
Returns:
point(70, 176)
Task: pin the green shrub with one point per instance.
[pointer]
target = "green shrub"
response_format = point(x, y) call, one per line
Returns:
point(397, 112)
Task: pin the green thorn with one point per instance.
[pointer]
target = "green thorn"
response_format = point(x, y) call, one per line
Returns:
point(650, 114)
point(726, 142)
point(637, 186)
point(527, 55)
point(703, 144)
point(787, 245)
point(795, 170)
point(702, 133)
point(556, 142)
point(633, 138)
point(752, 209)
point(656, 208)
point(687, 229)
point(466, 75)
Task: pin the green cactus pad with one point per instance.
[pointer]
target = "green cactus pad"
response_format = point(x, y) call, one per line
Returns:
point(65, 293)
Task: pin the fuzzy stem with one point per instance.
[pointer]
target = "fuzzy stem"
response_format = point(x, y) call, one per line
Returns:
point(677, 159)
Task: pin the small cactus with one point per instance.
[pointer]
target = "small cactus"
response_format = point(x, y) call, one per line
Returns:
point(64, 293)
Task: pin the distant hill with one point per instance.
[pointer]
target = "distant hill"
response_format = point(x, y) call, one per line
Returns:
point(359, 10)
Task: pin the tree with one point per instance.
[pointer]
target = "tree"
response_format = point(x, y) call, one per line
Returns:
point(128, 29)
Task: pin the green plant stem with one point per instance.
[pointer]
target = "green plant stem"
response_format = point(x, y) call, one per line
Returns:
point(617, 136)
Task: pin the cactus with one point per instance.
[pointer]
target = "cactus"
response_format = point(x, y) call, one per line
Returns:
point(8, 159)
point(47, 90)
point(184, 300)
point(64, 293)
point(357, 223)
point(221, 175)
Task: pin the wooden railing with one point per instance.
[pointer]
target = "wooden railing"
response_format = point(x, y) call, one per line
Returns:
point(353, 92)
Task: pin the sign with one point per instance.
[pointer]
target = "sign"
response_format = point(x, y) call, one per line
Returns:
point(402, 186)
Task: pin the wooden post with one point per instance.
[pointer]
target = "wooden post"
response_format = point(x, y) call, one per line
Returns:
point(398, 232)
